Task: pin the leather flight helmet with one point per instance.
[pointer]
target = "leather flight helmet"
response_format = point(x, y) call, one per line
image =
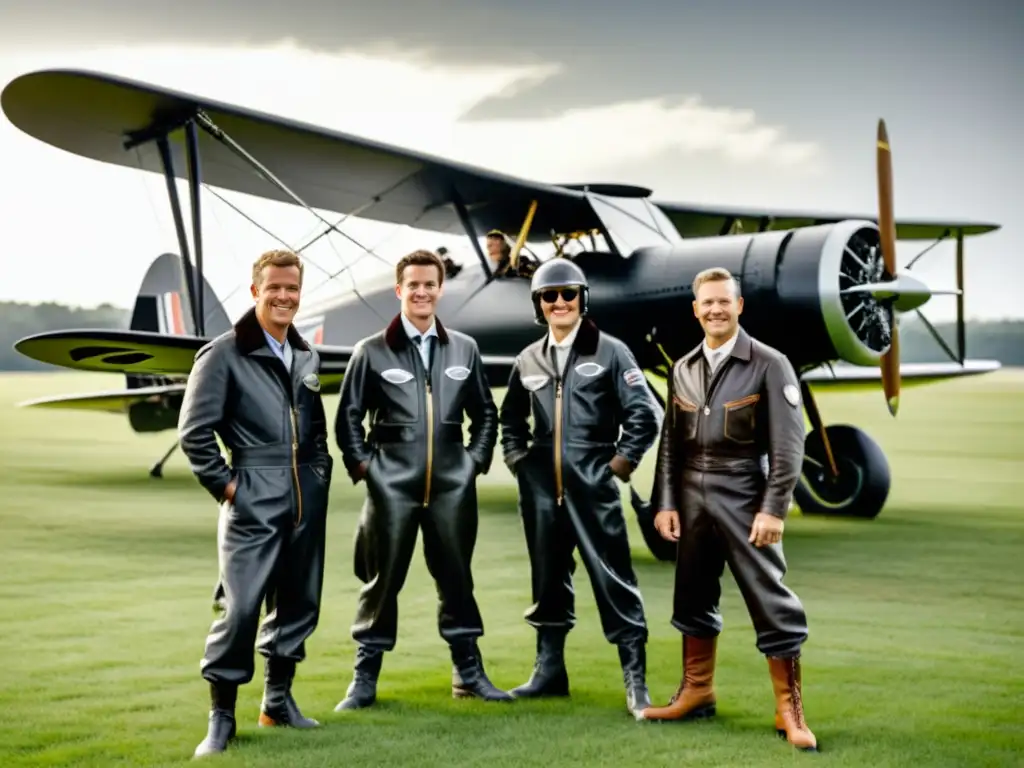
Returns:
point(559, 272)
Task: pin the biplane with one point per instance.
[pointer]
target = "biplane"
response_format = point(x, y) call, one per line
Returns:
point(832, 276)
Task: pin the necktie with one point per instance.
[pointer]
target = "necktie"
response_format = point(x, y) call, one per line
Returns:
point(424, 349)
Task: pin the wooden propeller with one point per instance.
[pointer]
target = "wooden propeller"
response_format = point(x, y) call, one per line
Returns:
point(890, 362)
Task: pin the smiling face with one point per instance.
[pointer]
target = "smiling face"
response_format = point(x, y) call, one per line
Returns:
point(561, 306)
point(277, 290)
point(718, 308)
point(419, 291)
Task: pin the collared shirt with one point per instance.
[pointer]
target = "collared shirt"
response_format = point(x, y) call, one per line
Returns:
point(715, 357)
point(562, 347)
point(420, 338)
point(283, 351)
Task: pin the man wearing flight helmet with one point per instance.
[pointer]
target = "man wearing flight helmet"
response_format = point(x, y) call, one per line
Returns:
point(581, 386)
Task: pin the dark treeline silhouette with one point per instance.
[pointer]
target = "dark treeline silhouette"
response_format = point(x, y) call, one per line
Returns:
point(1001, 340)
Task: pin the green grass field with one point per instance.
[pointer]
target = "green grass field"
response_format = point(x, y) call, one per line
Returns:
point(916, 619)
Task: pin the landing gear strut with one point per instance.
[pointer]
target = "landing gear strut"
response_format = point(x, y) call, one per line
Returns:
point(845, 473)
point(158, 469)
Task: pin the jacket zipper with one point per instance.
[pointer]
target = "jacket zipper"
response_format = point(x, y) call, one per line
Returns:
point(430, 441)
point(295, 464)
point(558, 441)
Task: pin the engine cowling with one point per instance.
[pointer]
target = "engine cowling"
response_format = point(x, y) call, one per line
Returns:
point(792, 283)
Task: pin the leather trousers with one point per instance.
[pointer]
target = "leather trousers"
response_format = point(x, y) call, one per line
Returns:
point(392, 516)
point(716, 514)
point(265, 556)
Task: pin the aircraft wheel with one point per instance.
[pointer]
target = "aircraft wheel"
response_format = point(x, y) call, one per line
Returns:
point(862, 486)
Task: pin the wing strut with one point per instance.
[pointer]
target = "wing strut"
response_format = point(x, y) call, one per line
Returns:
point(195, 180)
point(167, 161)
point(467, 224)
point(158, 131)
point(961, 331)
point(523, 232)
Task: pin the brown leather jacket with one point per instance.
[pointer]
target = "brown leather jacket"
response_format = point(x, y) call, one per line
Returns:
point(752, 412)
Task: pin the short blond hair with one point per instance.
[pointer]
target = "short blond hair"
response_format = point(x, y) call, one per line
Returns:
point(714, 275)
point(277, 258)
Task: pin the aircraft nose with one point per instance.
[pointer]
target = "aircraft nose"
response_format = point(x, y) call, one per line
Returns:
point(907, 292)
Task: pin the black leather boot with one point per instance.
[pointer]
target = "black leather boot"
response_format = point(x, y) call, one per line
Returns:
point(633, 657)
point(279, 707)
point(468, 676)
point(549, 677)
point(362, 691)
point(221, 728)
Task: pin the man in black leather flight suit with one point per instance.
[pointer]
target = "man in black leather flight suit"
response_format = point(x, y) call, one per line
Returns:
point(256, 386)
point(581, 386)
point(732, 403)
point(418, 380)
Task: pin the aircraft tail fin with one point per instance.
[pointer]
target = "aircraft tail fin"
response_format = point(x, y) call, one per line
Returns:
point(162, 306)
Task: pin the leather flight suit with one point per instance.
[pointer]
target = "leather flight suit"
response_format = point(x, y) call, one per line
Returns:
point(271, 536)
point(419, 473)
point(711, 464)
point(732, 445)
point(568, 497)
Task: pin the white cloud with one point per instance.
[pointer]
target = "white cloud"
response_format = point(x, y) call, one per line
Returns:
point(92, 229)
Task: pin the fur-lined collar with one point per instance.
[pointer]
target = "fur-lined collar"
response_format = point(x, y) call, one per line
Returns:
point(249, 335)
point(396, 337)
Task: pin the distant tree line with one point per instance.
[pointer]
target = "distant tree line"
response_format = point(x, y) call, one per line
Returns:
point(1001, 340)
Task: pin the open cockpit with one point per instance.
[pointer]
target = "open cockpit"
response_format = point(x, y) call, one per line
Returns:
point(623, 220)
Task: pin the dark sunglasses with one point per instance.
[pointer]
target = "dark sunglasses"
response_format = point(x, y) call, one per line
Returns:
point(552, 296)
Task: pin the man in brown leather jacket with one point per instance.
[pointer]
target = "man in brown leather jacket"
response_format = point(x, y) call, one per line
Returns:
point(729, 457)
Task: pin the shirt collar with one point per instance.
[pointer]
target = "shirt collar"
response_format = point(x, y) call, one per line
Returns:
point(413, 332)
point(274, 343)
point(723, 351)
point(568, 340)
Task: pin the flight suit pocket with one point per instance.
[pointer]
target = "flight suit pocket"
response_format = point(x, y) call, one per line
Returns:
point(684, 411)
point(739, 421)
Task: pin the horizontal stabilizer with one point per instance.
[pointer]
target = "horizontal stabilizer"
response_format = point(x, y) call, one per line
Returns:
point(114, 401)
point(113, 351)
point(869, 377)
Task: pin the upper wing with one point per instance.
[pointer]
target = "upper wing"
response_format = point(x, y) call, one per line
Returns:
point(853, 377)
point(707, 221)
point(90, 114)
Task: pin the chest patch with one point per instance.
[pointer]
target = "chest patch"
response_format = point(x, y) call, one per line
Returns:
point(396, 376)
point(457, 372)
point(312, 381)
point(590, 370)
point(535, 382)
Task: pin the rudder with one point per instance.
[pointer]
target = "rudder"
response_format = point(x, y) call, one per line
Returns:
point(162, 306)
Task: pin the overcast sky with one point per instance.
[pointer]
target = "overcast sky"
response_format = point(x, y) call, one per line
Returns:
point(654, 93)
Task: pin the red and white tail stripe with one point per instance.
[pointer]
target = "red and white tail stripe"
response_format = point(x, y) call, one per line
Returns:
point(170, 315)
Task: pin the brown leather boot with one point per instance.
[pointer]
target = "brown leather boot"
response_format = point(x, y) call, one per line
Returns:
point(789, 706)
point(695, 697)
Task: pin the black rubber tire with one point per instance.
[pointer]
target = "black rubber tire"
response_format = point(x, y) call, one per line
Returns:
point(864, 479)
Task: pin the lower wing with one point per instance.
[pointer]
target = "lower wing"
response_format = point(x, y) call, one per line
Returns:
point(112, 401)
point(143, 353)
point(852, 377)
